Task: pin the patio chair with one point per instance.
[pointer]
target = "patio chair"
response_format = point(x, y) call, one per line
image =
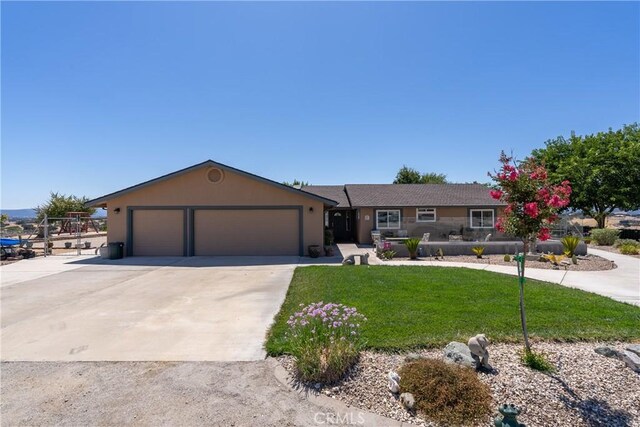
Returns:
point(376, 237)
point(425, 237)
point(403, 233)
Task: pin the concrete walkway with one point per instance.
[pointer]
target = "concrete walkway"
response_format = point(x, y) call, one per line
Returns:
point(621, 283)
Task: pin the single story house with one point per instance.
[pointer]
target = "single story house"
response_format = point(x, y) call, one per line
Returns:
point(211, 209)
point(442, 210)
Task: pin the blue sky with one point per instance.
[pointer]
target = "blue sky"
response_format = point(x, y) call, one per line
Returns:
point(100, 96)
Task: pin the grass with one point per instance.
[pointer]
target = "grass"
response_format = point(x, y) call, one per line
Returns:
point(420, 307)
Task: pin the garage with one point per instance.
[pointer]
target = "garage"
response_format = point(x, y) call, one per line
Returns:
point(211, 209)
point(157, 232)
point(246, 232)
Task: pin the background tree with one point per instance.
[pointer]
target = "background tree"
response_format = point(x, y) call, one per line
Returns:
point(407, 175)
point(59, 204)
point(4, 218)
point(603, 168)
point(296, 183)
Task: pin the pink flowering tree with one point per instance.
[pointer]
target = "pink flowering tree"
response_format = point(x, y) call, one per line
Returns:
point(532, 207)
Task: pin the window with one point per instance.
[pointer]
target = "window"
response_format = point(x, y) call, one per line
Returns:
point(426, 215)
point(388, 219)
point(481, 218)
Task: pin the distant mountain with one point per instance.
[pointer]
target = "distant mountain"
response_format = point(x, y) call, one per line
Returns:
point(31, 213)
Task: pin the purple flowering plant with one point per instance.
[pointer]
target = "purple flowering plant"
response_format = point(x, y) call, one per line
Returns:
point(325, 340)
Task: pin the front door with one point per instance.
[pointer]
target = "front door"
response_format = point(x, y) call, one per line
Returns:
point(341, 222)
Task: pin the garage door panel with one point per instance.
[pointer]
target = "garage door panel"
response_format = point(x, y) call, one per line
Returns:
point(246, 232)
point(158, 233)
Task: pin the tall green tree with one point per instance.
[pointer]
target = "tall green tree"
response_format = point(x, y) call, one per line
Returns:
point(59, 204)
point(603, 168)
point(407, 175)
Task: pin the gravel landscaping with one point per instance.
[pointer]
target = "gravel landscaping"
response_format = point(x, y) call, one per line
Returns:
point(586, 390)
point(585, 263)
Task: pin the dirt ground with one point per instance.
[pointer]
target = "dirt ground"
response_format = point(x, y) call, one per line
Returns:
point(150, 393)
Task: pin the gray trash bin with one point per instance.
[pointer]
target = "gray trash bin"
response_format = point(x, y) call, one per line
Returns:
point(116, 250)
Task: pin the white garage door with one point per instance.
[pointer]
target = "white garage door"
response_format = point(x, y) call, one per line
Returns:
point(246, 232)
point(158, 233)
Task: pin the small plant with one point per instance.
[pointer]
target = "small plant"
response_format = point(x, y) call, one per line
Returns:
point(478, 250)
point(569, 245)
point(553, 258)
point(328, 237)
point(536, 361)
point(439, 254)
point(629, 250)
point(325, 340)
point(604, 236)
point(587, 240)
point(386, 254)
point(446, 393)
point(412, 246)
point(507, 258)
point(574, 260)
point(623, 242)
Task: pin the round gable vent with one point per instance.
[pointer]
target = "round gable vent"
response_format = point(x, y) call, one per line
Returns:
point(215, 175)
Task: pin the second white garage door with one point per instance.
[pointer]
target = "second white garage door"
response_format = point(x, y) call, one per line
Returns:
point(246, 232)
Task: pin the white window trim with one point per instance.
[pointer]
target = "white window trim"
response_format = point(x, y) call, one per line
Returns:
point(435, 216)
point(389, 228)
point(493, 218)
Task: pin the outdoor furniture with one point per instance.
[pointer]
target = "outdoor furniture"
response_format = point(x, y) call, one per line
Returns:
point(425, 237)
point(376, 237)
point(402, 233)
point(455, 238)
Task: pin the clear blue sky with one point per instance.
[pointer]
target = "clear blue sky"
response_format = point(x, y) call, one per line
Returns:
point(100, 96)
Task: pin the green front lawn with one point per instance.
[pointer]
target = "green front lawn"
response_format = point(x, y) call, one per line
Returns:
point(412, 307)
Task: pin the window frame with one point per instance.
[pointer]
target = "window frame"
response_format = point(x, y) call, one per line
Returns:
point(493, 218)
point(435, 216)
point(378, 227)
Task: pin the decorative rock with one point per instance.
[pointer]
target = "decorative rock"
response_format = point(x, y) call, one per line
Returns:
point(608, 352)
point(394, 382)
point(634, 348)
point(479, 353)
point(408, 400)
point(632, 360)
point(457, 352)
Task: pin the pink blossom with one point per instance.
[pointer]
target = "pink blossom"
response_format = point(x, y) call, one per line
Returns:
point(496, 194)
point(508, 209)
point(500, 225)
point(531, 209)
point(513, 176)
point(544, 234)
point(555, 201)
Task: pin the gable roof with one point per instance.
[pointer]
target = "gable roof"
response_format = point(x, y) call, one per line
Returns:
point(333, 192)
point(207, 163)
point(400, 195)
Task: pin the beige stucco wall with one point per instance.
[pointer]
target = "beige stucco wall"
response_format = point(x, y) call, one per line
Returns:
point(447, 219)
point(194, 189)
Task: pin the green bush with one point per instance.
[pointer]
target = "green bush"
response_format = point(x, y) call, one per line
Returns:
point(536, 361)
point(386, 254)
point(623, 242)
point(587, 240)
point(569, 245)
point(446, 393)
point(507, 258)
point(478, 250)
point(325, 340)
point(629, 250)
point(412, 247)
point(604, 236)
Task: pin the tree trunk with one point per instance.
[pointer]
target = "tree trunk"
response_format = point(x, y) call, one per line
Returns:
point(601, 218)
point(523, 315)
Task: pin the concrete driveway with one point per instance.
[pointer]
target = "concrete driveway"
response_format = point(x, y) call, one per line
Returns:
point(141, 309)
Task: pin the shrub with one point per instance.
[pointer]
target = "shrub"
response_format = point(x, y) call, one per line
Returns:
point(629, 250)
point(587, 240)
point(446, 393)
point(325, 340)
point(478, 250)
point(623, 242)
point(507, 258)
point(386, 254)
point(569, 245)
point(536, 361)
point(412, 247)
point(604, 236)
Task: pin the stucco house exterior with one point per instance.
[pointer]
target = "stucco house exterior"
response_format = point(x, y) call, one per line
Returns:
point(211, 209)
point(442, 210)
